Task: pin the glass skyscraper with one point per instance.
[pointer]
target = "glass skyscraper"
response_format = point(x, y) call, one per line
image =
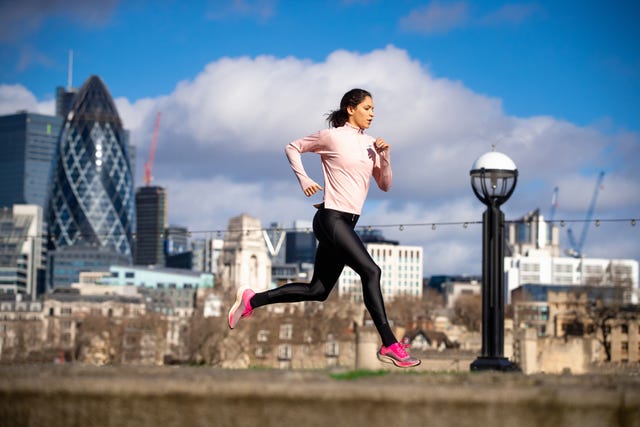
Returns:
point(301, 244)
point(27, 147)
point(151, 220)
point(92, 196)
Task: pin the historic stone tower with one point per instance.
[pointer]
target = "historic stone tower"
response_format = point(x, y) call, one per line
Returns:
point(245, 260)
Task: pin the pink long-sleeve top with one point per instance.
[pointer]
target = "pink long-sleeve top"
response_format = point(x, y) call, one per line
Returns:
point(349, 160)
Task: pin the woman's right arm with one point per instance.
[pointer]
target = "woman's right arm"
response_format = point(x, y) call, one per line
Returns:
point(294, 152)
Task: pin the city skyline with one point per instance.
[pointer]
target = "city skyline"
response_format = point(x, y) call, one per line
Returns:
point(552, 86)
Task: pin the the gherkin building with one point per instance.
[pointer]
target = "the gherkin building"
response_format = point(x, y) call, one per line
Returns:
point(92, 197)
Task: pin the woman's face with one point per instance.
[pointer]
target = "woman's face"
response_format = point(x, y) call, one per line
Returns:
point(362, 114)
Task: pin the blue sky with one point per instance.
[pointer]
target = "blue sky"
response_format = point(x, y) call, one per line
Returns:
point(556, 85)
point(577, 60)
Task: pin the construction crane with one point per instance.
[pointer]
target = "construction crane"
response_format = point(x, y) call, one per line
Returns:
point(148, 166)
point(554, 205)
point(552, 215)
point(576, 247)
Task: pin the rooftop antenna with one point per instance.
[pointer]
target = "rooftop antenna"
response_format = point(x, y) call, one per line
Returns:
point(70, 71)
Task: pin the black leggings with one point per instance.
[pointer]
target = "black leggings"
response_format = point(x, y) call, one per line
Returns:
point(338, 245)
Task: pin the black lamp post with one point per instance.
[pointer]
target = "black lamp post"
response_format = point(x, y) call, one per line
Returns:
point(493, 179)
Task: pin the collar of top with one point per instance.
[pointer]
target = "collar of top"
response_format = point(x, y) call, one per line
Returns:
point(356, 128)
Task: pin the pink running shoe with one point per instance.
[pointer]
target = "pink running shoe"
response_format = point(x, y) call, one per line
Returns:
point(397, 355)
point(242, 307)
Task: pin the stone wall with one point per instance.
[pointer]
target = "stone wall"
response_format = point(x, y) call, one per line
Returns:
point(58, 396)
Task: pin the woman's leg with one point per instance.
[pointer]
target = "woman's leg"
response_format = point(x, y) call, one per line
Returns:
point(327, 268)
point(356, 256)
point(338, 245)
point(326, 272)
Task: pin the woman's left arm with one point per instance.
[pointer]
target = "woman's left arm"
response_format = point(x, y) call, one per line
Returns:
point(382, 166)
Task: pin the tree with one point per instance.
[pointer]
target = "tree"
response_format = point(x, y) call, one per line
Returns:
point(404, 309)
point(467, 311)
point(601, 312)
point(209, 339)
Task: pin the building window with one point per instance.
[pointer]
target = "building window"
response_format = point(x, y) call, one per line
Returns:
point(624, 329)
point(285, 352)
point(129, 275)
point(286, 331)
point(263, 335)
point(332, 349)
point(260, 352)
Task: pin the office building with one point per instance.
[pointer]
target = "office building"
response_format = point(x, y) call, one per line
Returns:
point(21, 251)
point(92, 197)
point(65, 97)
point(176, 240)
point(301, 244)
point(169, 291)
point(534, 249)
point(151, 221)
point(532, 234)
point(65, 263)
point(27, 147)
point(212, 254)
point(571, 271)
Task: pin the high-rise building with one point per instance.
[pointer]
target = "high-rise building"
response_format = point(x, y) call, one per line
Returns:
point(21, 250)
point(27, 147)
point(301, 244)
point(532, 234)
point(274, 238)
point(176, 240)
point(92, 197)
point(64, 100)
point(151, 221)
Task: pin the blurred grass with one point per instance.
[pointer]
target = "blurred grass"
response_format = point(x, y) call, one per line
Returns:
point(360, 373)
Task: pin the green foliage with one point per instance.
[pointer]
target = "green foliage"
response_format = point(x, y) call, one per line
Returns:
point(360, 373)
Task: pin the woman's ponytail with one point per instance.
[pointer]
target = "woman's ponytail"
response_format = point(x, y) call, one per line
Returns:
point(353, 98)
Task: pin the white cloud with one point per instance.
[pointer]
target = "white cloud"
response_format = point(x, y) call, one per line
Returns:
point(14, 98)
point(22, 18)
point(224, 9)
point(436, 17)
point(514, 13)
point(440, 17)
point(220, 151)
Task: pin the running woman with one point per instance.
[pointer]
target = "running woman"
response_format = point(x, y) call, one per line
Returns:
point(349, 159)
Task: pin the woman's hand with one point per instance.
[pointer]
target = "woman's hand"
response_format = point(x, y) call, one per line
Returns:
point(312, 189)
point(381, 146)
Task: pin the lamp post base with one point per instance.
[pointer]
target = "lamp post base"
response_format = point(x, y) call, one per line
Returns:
point(494, 364)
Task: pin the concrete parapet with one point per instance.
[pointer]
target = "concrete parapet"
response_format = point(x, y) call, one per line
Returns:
point(177, 396)
point(367, 344)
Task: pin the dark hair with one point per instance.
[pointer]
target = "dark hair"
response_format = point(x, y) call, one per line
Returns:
point(353, 98)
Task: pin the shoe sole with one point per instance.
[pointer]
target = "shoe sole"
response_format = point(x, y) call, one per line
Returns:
point(235, 307)
point(388, 359)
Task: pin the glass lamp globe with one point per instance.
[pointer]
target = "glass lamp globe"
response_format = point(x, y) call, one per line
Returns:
point(493, 178)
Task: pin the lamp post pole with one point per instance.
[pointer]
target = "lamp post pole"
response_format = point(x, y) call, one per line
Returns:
point(492, 357)
point(493, 180)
